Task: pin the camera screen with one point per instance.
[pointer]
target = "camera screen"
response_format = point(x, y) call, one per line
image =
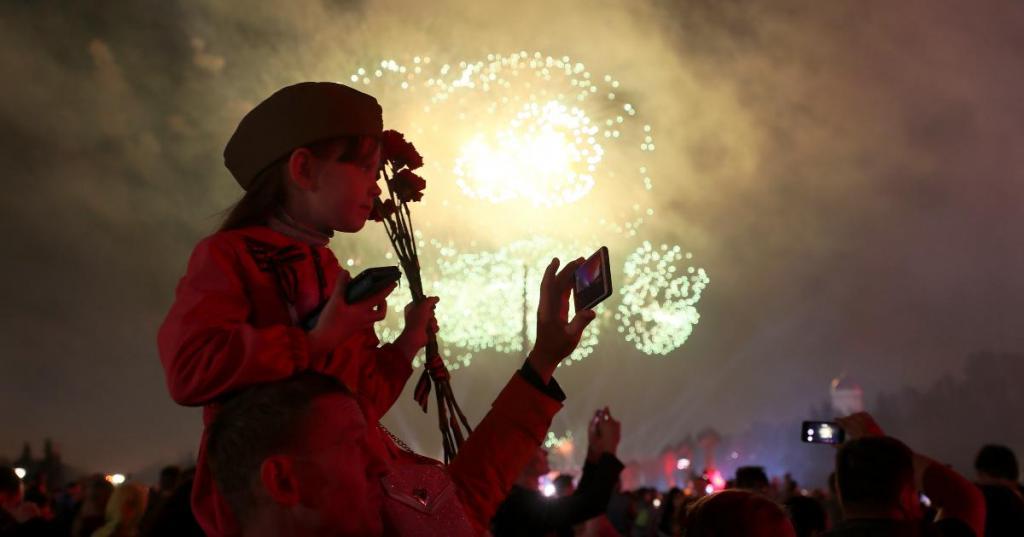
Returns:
point(822, 432)
point(593, 280)
point(588, 273)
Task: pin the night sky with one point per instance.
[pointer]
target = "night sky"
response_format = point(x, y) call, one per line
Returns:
point(849, 173)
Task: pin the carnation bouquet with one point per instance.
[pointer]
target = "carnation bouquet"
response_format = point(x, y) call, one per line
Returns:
point(398, 160)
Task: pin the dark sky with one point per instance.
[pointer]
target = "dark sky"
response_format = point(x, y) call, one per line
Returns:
point(849, 173)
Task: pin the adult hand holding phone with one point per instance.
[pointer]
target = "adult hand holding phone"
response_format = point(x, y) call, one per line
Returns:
point(557, 336)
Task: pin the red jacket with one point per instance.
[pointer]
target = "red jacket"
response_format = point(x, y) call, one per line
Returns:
point(233, 324)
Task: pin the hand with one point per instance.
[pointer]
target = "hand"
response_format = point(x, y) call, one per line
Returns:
point(340, 320)
point(557, 337)
point(603, 435)
point(419, 319)
point(859, 425)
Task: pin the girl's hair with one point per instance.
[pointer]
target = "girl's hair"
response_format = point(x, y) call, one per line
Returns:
point(267, 193)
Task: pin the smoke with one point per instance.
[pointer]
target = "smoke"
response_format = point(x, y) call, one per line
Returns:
point(846, 172)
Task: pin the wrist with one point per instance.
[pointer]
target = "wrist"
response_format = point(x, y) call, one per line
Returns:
point(542, 367)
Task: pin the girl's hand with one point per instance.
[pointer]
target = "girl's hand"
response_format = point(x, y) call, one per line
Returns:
point(557, 337)
point(419, 317)
point(340, 320)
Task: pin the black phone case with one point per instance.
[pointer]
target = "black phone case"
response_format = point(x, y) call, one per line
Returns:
point(369, 282)
point(361, 287)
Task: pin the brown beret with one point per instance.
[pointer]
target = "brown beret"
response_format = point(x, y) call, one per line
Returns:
point(295, 116)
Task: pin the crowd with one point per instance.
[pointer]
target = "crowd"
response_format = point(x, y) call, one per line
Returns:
point(880, 487)
point(293, 382)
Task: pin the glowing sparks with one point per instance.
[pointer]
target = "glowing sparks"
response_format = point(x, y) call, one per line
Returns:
point(535, 158)
point(489, 299)
point(659, 298)
point(524, 127)
point(540, 145)
point(561, 444)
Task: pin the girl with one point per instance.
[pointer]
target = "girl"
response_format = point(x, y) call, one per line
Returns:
point(308, 158)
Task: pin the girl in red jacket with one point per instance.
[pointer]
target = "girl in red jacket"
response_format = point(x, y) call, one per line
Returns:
point(308, 158)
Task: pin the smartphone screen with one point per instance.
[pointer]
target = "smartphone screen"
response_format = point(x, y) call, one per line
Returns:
point(593, 280)
point(822, 432)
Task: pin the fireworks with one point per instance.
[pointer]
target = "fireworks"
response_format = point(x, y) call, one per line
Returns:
point(528, 145)
point(659, 298)
point(489, 299)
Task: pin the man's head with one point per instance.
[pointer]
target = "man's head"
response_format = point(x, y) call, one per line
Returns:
point(752, 478)
point(997, 463)
point(564, 485)
point(11, 487)
point(294, 456)
point(875, 477)
point(737, 513)
point(169, 476)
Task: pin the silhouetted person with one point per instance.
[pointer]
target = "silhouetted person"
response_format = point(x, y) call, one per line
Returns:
point(169, 477)
point(526, 512)
point(174, 517)
point(879, 478)
point(998, 475)
point(669, 517)
point(752, 478)
point(92, 513)
point(808, 516)
point(564, 485)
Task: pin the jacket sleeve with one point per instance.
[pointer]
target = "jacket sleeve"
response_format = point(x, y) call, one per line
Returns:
point(376, 373)
point(500, 447)
point(589, 500)
point(207, 347)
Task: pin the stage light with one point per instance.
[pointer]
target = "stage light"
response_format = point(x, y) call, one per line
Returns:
point(20, 472)
point(682, 464)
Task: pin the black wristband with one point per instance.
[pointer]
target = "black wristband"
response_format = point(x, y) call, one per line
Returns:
point(551, 389)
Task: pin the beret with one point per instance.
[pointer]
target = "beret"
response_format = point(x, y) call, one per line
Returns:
point(295, 116)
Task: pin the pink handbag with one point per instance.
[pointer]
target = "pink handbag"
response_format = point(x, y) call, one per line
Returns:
point(420, 500)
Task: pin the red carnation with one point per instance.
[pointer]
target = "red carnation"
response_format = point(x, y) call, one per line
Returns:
point(399, 152)
point(382, 210)
point(409, 186)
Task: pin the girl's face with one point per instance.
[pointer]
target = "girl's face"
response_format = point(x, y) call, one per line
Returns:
point(343, 192)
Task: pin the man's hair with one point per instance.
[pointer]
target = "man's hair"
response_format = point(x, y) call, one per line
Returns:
point(731, 513)
point(10, 483)
point(254, 424)
point(997, 461)
point(562, 483)
point(751, 478)
point(872, 472)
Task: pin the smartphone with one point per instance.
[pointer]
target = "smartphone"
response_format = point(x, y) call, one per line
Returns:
point(369, 282)
point(363, 286)
point(593, 281)
point(822, 432)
